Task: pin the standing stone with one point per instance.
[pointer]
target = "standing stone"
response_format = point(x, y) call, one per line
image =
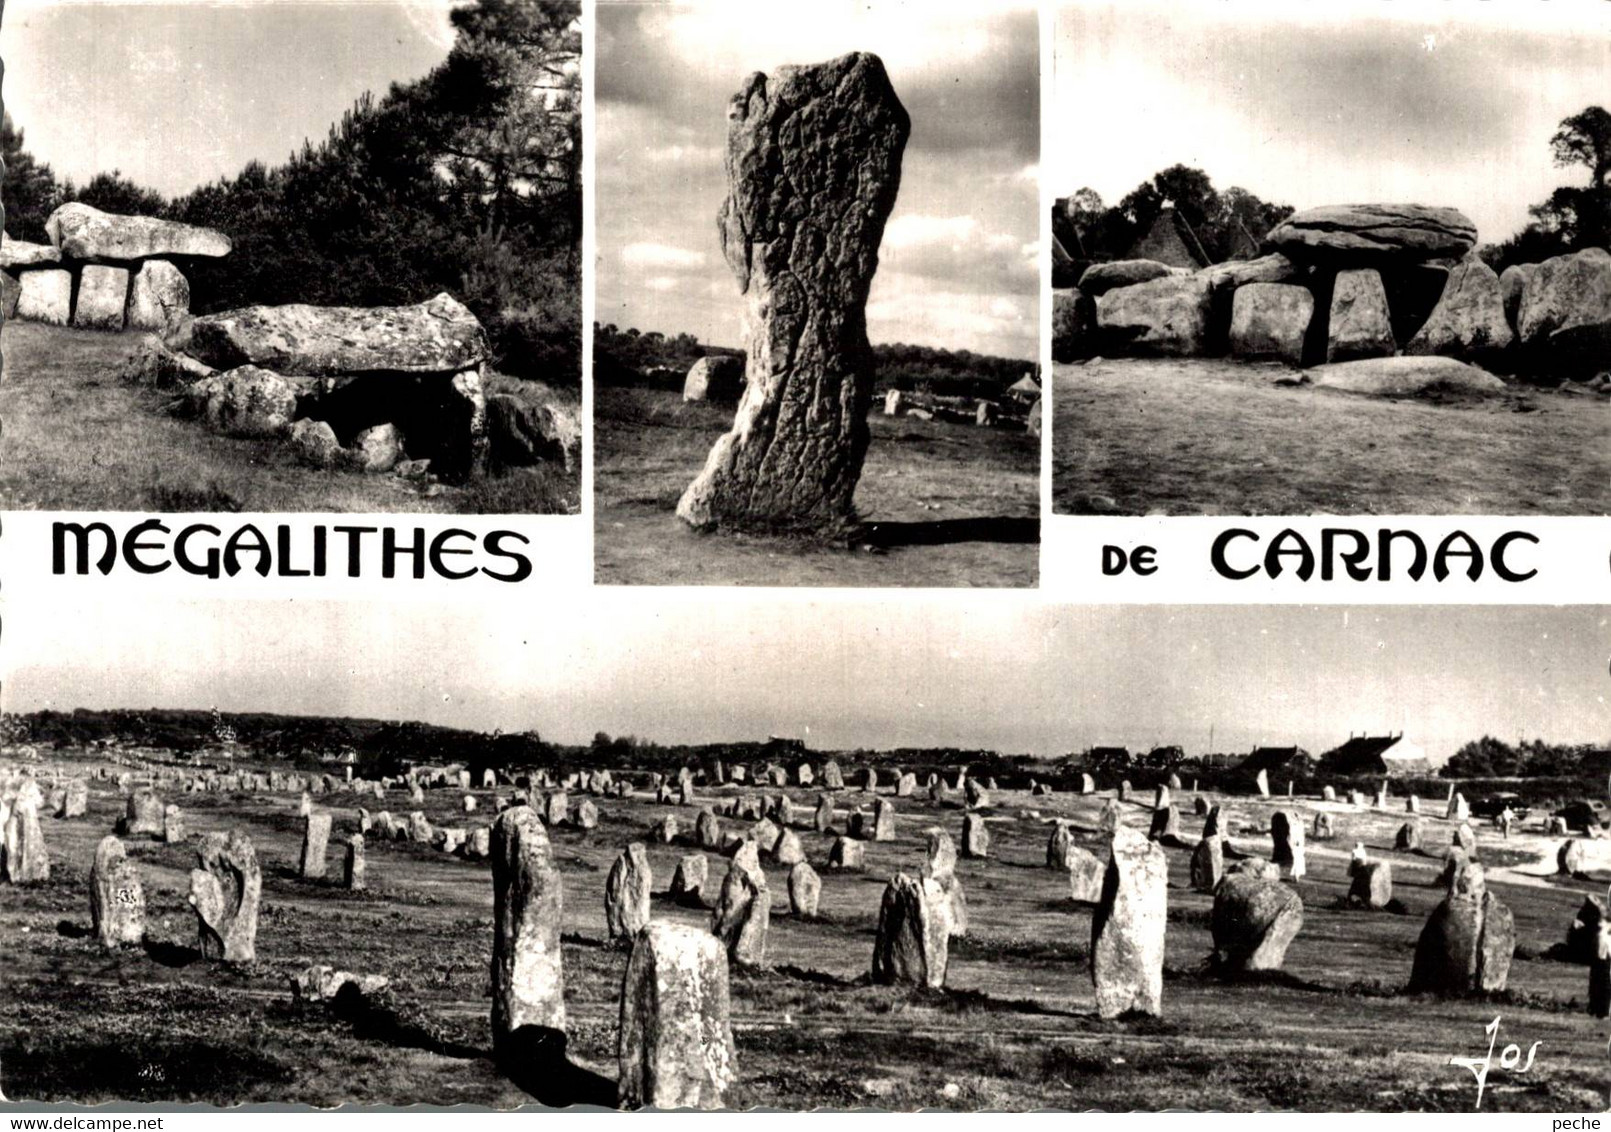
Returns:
point(905, 785)
point(1409, 837)
point(1328, 793)
point(832, 778)
point(1459, 809)
point(1207, 864)
point(1569, 859)
point(744, 910)
point(1059, 845)
point(1110, 817)
point(1169, 316)
point(1263, 783)
point(1469, 321)
point(1565, 313)
point(975, 836)
point(528, 976)
point(45, 296)
point(143, 815)
point(1371, 884)
point(813, 167)
point(883, 820)
point(1165, 823)
point(1123, 794)
point(419, 828)
point(469, 803)
point(787, 850)
point(226, 891)
point(974, 795)
point(26, 859)
point(315, 836)
point(914, 934)
point(847, 853)
point(1412, 805)
point(665, 830)
point(1254, 921)
point(1087, 784)
point(689, 879)
point(102, 295)
point(117, 901)
point(1287, 835)
point(352, 871)
point(1127, 929)
point(479, 845)
point(708, 830)
point(1161, 798)
point(1466, 839)
point(1085, 875)
point(1324, 828)
point(1512, 283)
point(676, 1042)
point(1360, 326)
point(1600, 973)
point(805, 889)
point(626, 893)
point(1468, 942)
point(822, 819)
point(173, 824)
point(304, 805)
point(940, 866)
point(587, 814)
point(75, 799)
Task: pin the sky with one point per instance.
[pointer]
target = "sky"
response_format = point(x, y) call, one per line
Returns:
point(958, 262)
point(1001, 672)
point(1350, 101)
point(177, 94)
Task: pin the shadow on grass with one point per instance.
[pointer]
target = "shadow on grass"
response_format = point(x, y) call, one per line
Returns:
point(170, 954)
point(950, 532)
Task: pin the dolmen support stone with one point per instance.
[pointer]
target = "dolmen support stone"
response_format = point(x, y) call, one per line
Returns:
point(813, 168)
point(1127, 929)
point(528, 974)
point(675, 1039)
point(117, 900)
point(225, 891)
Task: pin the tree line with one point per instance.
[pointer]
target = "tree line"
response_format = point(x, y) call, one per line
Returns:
point(467, 180)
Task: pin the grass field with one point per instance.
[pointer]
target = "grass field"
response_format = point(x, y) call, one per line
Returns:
point(1015, 1028)
point(949, 505)
point(78, 438)
point(1205, 436)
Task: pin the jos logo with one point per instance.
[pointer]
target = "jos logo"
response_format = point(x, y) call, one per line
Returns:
point(1509, 1058)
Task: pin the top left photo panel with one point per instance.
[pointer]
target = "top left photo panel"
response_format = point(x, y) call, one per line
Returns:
point(292, 257)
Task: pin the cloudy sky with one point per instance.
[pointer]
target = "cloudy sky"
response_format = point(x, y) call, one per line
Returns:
point(958, 261)
point(998, 672)
point(1347, 101)
point(176, 94)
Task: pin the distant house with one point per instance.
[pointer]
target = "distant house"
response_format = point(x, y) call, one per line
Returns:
point(1171, 241)
point(1219, 761)
point(1392, 756)
point(1275, 758)
point(1026, 388)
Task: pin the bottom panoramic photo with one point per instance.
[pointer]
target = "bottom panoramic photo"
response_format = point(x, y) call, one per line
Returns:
point(813, 854)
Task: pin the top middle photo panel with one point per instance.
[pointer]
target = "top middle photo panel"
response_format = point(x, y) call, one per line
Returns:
point(816, 338)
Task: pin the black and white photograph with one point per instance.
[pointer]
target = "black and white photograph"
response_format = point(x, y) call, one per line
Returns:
point(795, 856)
point(1346, 258)
point(816, 333)
point(292, 257)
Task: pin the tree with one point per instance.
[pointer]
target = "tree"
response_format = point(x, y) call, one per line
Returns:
point(30, 191)
point(1585, 139)
point(113, 192)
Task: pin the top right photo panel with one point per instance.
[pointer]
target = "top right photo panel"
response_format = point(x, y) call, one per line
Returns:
point(1342, 259)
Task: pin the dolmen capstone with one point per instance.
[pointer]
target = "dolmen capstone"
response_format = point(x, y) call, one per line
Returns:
point(528, 974)
point(800, 229)
point(1468, 941)
point(1254, 921)
point(117, 900)
point(225, 891)
point(626, 894)
point(675, 1038)
point(744, 910)
point(102, 271)
point(1127, 928)
point(912, 945)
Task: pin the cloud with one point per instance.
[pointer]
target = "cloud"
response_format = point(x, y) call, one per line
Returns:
point(662, 256)
point(960, 251)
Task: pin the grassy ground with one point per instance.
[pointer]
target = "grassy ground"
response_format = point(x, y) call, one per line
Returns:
point(1015, 1028)
point(77, 437)
point(952, 505)
point(1201, 436)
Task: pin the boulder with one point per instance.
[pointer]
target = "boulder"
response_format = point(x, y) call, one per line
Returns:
point(245, 402)
point(439, 336)
point(715, 377)
point(84, 233)
point(805, 889)
point(528, 973)
point(1405, 377)
point(152, 363)
point(626, 893)
point(1100, 278)
point(117, 900)
point(159, 299)
point(1469, 321)
point(1564, 320)
point(45, 296)
point(800, 229)
point(1374, 234)
point(1254, 921)
point(1468, 942)
point(20, 253)
point(912, 945)
point(1127, 929)
point(1168, 316)
point(1324, 828)
point(1269, 321)
point(1359, 325)
point(376, 449)
point(530, 424)
point(315, 443)
point(1408, 839)
point(1512, 284)
point(675, 1041)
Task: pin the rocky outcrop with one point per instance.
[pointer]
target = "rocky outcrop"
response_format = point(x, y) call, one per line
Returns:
point(1357, 234)
point(1469, 321)
point(84, 233)
point(1405, 377)
point(813, 168)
